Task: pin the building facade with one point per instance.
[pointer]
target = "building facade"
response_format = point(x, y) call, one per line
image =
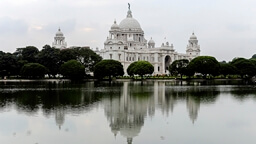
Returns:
point(127, 44)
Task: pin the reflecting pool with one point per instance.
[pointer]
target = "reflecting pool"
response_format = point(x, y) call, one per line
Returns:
point(152, 112)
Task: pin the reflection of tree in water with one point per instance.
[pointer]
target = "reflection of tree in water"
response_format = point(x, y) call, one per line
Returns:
point(243, 93)
point(194, 95)
point(21, 101)
point(51, 98)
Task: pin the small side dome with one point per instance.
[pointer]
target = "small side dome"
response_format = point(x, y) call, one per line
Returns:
point(151, 41)
point(59, 33)
point(115, 26)
point(193, 36)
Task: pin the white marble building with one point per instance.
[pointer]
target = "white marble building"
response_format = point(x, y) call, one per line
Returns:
point(59, 40)
point(127, 44)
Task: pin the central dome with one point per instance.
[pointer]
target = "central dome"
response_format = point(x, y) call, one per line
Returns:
point(129, 22)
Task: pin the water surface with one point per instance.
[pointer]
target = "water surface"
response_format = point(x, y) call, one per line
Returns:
point(157, 112)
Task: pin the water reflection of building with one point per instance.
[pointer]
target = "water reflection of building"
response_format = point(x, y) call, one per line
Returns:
point(126, 114)
point(164, 98)
point(59, 116)
point(193, 108)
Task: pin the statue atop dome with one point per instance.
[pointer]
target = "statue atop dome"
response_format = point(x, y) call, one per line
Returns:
point(129, 13)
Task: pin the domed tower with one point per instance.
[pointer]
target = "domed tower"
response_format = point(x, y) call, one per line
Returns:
point(114, 32)
point(59, 40)
point(132, 33)
point(151, 43)
point(193, 49)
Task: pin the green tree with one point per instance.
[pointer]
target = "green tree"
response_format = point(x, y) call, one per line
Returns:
point(227, 69)
point(244, 67)
point(254, 56)
point(8, 64)
point(29, 54)
point(88, 58)
point(72, 69)
point(179, 67)
point(108, 68)
point(130, 70)
point(33, 70)
point(50, 58)
point(67, 54)
point(188, 71)
point(205, 65)
point(140, 68)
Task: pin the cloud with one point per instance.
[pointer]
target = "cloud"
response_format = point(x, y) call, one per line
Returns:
point(13, 26)
point(67, 26)
point(88, 29)
point(19, 2)
point(35, 27)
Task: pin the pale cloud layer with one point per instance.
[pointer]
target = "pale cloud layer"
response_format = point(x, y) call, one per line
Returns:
point(225, 29)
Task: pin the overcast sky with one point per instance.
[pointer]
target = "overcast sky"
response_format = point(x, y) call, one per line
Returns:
point(225, 28)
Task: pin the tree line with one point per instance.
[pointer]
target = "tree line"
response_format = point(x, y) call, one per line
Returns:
point(29, 62)
point(74, 63)
point(202, 66)
point(209, 66)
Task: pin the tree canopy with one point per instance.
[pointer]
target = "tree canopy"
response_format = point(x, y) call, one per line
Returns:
point(29, 54)
point(67, 54)
point(33, 70)
point(87, 57)
point(254, 56)
point(72, 69)
point(227, 69)
point(179, 67)
point(50, 58)
point(8, 64)
point(205, 65)
point(244, 67)
point(140, 68)
point(108, 68)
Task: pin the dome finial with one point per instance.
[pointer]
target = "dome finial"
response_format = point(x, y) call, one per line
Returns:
point(193, 33)
point(129, 13)
point(115, 21)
